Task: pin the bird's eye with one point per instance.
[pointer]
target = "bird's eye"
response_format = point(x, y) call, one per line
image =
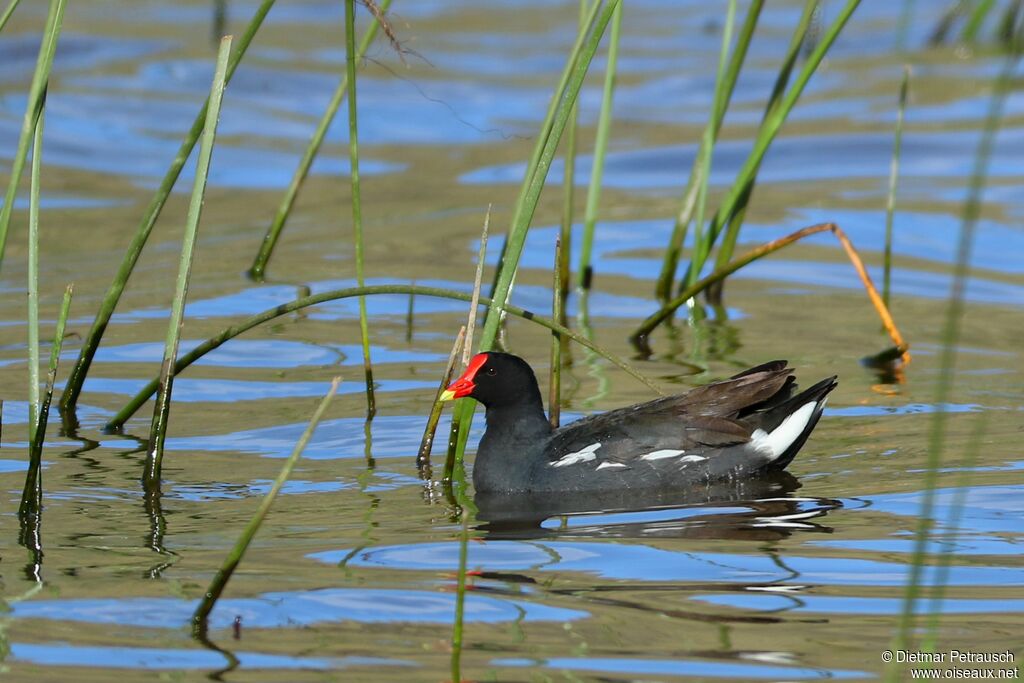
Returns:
point(492, 371)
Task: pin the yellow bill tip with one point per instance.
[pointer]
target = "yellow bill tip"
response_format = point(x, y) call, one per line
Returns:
point(447, 395)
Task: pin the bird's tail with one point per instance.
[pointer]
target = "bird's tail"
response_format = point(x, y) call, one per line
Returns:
point(784, 428)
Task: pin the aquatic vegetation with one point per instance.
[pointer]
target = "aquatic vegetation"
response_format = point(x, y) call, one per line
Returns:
point(33, 109)
point(231, 562)
point(356, 201)
point(570, 565)
point(165, 385)
point(76, 380)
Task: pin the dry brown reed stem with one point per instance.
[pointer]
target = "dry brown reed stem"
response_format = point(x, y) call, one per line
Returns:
point(557, 312)
point(423, 455)
point(876, 299)
point(467, 349)
point(639, 337)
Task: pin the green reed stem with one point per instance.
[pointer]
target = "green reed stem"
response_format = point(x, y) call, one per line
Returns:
point(336, 294)
point(162, 409)
point(594, 368)
point(766, 134)
point(944, 25)
point(902, 639)
point(7, 13)
point(952, 524)
point(284, 209)
point(557, 313)
point(36, 95)
point(73, 387)
point(31, 498)
point(32, 495)
point(724, 88)
point(797, 40)
point(33, 274)
point(427, 442)
point(604, 125)
point(707, 144)
point(409, 315)
point(535, 164)
point(220, 581)
point(540, 162)
point(569, 191)
point(554, 124)
point(894, 174)
point(451, 458)
point(1008, 32)
point(976, 20)
point(460, 597)
point(357, 210)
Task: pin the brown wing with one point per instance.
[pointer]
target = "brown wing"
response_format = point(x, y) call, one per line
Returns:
point(705, 417)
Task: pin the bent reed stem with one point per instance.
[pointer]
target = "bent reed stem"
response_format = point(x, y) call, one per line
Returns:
point(370, 290)
point(427, 442)
point(639, 337)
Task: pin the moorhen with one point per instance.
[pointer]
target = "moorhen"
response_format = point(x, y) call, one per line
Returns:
point(736, 428)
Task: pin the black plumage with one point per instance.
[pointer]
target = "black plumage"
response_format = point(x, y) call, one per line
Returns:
point(750, 423)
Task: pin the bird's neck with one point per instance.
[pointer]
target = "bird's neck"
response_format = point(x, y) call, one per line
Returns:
point(515, 438)
point(519, 422)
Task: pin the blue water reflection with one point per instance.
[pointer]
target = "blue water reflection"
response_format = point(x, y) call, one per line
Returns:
point(296, 609)
point(628, 562)
point(171, 659)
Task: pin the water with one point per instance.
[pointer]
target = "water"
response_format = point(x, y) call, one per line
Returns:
point(353, 575)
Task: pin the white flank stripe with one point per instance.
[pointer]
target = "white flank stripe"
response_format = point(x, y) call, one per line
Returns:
point(664, 453)
point(783, 658)
point(610, 465)
point(692, 458)
point(775, 443)
point(585, 455)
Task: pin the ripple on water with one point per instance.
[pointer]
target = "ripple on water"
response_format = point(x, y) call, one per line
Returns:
point(262, 353)
point(266, 100)
point(634, 562)
point(688, 667)
point(80, 136)
point(149, 658)
point(198, 390)
point(981, 520)
point(75, 52)
point(863, 605)
point(296, 609)
point(392, 435)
